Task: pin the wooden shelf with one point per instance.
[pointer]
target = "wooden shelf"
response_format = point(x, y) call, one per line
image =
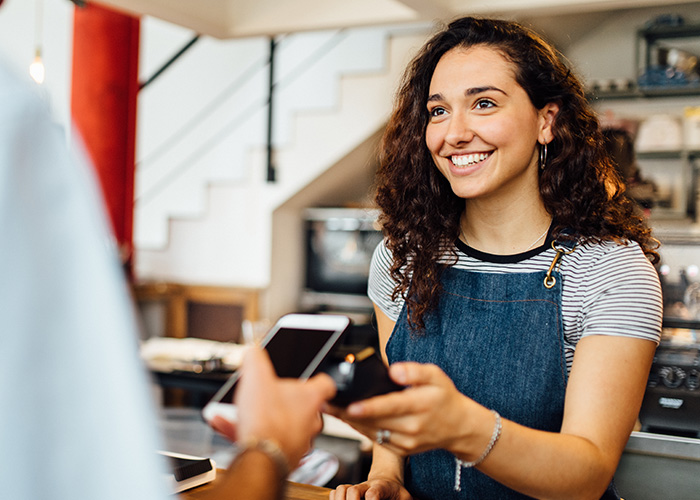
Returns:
point(646, 93)
point(210, 312)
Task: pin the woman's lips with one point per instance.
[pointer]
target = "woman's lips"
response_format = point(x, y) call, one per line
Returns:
point(466, 164)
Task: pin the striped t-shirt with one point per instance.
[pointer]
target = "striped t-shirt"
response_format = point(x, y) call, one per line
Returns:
point(607, 288)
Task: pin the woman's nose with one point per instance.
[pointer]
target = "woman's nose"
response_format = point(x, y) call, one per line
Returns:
point(459, 130)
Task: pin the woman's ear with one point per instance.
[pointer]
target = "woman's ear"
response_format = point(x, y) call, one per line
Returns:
point(548, 115)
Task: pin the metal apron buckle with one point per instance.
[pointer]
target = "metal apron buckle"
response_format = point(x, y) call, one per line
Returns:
point(564, 248)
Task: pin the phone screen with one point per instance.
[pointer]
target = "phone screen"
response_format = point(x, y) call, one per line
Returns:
point(292, 352)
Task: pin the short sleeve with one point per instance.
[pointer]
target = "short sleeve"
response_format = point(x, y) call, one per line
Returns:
point(623, 295)
point(381, 285)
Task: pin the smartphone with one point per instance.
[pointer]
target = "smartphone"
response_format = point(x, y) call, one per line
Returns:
point(359, 375)
point(297, 344)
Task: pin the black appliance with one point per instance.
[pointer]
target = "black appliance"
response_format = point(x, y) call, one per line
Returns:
point(672, 399)
point(339, 246)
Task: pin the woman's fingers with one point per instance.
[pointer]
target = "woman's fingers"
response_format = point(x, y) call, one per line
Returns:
point(349, 492)
point(419, 417)
point(416, 374)
point(375, 489)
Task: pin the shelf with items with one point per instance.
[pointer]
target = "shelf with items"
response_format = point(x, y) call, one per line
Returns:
point(663, 69)
point(667, 31)
point(681, 323)
point(666, 152)
point(659, 109)
point(675, 174)
point(674, 154)
point(649, 36)
point(633, 91)
point(667, 68)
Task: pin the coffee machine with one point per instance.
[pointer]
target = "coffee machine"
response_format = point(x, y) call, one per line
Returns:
point(672, 399)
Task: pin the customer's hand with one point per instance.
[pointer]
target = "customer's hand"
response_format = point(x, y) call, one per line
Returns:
point(287, 411)
point(224, 427)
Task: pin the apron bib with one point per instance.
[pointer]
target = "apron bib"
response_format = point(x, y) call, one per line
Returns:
point(500, 338)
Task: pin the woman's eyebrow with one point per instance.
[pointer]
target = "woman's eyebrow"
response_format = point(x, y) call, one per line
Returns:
point(469, 92)
point(481, 90)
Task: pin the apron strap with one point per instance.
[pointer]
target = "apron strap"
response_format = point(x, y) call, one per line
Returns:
point(562, 247)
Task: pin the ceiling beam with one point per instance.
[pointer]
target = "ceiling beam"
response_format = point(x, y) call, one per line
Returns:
point(245, 18)
point(430, 9)
point(549, 7)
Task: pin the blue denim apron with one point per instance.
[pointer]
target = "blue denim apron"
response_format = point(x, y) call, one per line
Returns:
point(500, 338)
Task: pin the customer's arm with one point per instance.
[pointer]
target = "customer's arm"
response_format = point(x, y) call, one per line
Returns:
point(254, 475)
point(278, 419)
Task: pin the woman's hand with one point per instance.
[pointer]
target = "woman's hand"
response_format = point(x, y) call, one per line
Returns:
point(430, 413)
point(373, 489)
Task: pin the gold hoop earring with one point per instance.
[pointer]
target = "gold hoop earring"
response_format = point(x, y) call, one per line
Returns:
point(543, 156)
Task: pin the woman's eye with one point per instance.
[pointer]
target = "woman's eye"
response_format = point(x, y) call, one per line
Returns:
point(484, 104)
point(437, 111)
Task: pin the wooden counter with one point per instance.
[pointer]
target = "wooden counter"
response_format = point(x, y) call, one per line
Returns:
point(295, 491)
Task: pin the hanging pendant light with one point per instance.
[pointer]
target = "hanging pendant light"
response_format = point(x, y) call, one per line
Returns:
point(36, 69)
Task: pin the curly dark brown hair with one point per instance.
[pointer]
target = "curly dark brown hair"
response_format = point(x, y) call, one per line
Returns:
point(420, 214)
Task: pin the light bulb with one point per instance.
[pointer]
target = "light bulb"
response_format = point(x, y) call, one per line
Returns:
point(36, 69)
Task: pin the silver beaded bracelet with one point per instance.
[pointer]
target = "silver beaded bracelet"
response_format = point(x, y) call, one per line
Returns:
point(461, 463)
point(270, 448)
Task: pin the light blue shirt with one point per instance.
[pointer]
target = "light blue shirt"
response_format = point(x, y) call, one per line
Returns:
point(76, 417)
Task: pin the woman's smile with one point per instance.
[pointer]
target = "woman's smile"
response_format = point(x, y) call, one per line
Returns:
point(467, 164)
point(466, 160)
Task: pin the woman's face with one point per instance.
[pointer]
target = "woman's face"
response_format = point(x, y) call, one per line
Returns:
point(483, 130)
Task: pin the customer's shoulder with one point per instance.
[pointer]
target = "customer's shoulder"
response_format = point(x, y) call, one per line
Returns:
point(19, 96)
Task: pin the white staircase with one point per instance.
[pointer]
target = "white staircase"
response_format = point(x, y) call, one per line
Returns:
point(204, 209)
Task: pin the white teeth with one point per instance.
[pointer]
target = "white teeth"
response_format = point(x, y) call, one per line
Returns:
point(465, 160)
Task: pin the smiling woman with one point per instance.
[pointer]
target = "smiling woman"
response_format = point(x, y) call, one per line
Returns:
point(577, 187)
point(514, 291)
